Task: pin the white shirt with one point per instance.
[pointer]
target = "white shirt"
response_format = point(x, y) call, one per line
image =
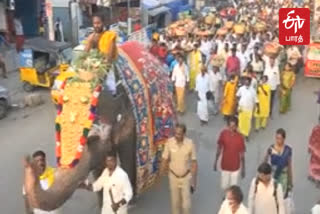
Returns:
point(293, 55)
point(215, 79)
point(252, 43)
point(316, 209)
point(184, 43)
point(244, 59)
point(111, 82)
point(225, 209)
point(254, 84)
point(263, 201)
point(205, 47)
point(120, 186)
point(180, 75)
point(220, 45)
point(202, 83)
point(273, 76)
point(173, 45)
point(162, 39)
point(248, 98)
point(18, 27)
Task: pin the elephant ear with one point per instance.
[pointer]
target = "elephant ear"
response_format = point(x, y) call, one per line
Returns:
point(123, 128)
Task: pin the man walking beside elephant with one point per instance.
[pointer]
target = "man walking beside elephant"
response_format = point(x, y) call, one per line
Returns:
point(117, 190)
point(180, 156)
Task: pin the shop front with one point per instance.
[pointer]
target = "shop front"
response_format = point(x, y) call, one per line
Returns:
point(312, 64)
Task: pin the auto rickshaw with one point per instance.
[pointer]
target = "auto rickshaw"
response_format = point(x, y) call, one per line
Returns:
point(41, 61)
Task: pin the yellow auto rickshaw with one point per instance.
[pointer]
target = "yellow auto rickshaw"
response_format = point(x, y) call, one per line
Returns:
point(41, 61)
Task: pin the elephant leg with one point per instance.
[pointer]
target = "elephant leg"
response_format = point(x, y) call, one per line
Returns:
point(127, 155)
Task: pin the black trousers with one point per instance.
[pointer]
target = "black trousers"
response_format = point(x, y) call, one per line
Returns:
point(273, 95)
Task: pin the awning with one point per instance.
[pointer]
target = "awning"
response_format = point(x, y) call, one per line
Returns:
point(109, 2)
point(158, 10)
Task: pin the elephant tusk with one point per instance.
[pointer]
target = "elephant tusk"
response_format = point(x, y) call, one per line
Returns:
point(119, 117)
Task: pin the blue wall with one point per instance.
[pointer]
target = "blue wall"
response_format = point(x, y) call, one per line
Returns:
point(175, 7)
point(27, 10)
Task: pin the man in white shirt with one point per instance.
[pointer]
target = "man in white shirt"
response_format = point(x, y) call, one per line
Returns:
point(253, 41)
point(46, 177)
point(220, 44)
point(206, 47)
point(202, 88)
point(215, 87)
point(272, 71)
point(116, 186)
point(180, 78)
point(233, 202)
point(19, 33)
point(247, 102)
point(265, 195)
point(244, 57)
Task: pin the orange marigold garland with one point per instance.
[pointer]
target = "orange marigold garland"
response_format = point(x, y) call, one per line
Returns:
point(87, 126)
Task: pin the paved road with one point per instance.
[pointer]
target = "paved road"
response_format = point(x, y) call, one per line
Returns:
point(26, 130)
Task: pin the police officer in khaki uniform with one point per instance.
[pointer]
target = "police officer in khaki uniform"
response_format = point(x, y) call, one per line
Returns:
point(179, 157)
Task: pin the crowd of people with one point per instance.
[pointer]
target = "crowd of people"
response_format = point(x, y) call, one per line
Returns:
point(231, 72)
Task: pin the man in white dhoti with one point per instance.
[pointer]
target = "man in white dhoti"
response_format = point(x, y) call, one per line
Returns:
point(117, 190)
point(265, 195)
point(202, 87)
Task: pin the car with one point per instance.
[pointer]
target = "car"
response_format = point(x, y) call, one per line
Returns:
point(4, 101)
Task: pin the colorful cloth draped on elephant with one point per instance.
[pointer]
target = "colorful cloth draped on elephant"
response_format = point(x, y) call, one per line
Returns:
point(150, 91)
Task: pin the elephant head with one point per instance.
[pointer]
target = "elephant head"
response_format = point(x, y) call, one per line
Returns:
point(117, 132)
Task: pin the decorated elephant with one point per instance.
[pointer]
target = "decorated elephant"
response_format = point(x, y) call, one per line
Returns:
point(136, 123)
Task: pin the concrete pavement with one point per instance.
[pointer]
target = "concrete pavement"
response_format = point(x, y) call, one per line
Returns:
point(26, 130)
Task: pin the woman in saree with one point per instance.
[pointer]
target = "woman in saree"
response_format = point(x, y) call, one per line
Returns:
point(228, 104)
point(279, 155)
point(314, 150)
point(288, 79)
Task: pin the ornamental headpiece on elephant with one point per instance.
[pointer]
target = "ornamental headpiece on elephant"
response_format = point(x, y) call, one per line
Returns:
point(91, 121)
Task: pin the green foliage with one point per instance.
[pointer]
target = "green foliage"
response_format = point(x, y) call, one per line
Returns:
point(93, 61)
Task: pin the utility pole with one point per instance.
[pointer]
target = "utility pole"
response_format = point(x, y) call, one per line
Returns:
point(129, 18)
point(50, 20)
point(74, 15)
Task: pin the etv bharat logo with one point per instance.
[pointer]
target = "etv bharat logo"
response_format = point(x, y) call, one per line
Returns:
point(294, 26)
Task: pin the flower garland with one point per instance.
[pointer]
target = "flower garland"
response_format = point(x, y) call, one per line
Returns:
point(87, 126)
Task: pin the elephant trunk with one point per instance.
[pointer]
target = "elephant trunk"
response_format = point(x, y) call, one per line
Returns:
point(66, 180)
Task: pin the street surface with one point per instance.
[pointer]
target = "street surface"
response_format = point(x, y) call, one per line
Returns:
point(30, 129)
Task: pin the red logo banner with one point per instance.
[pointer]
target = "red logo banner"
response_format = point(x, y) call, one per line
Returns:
point(294, 26)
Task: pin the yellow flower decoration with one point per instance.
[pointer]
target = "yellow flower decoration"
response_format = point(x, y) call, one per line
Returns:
point(88, 124)
point(58, 119)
